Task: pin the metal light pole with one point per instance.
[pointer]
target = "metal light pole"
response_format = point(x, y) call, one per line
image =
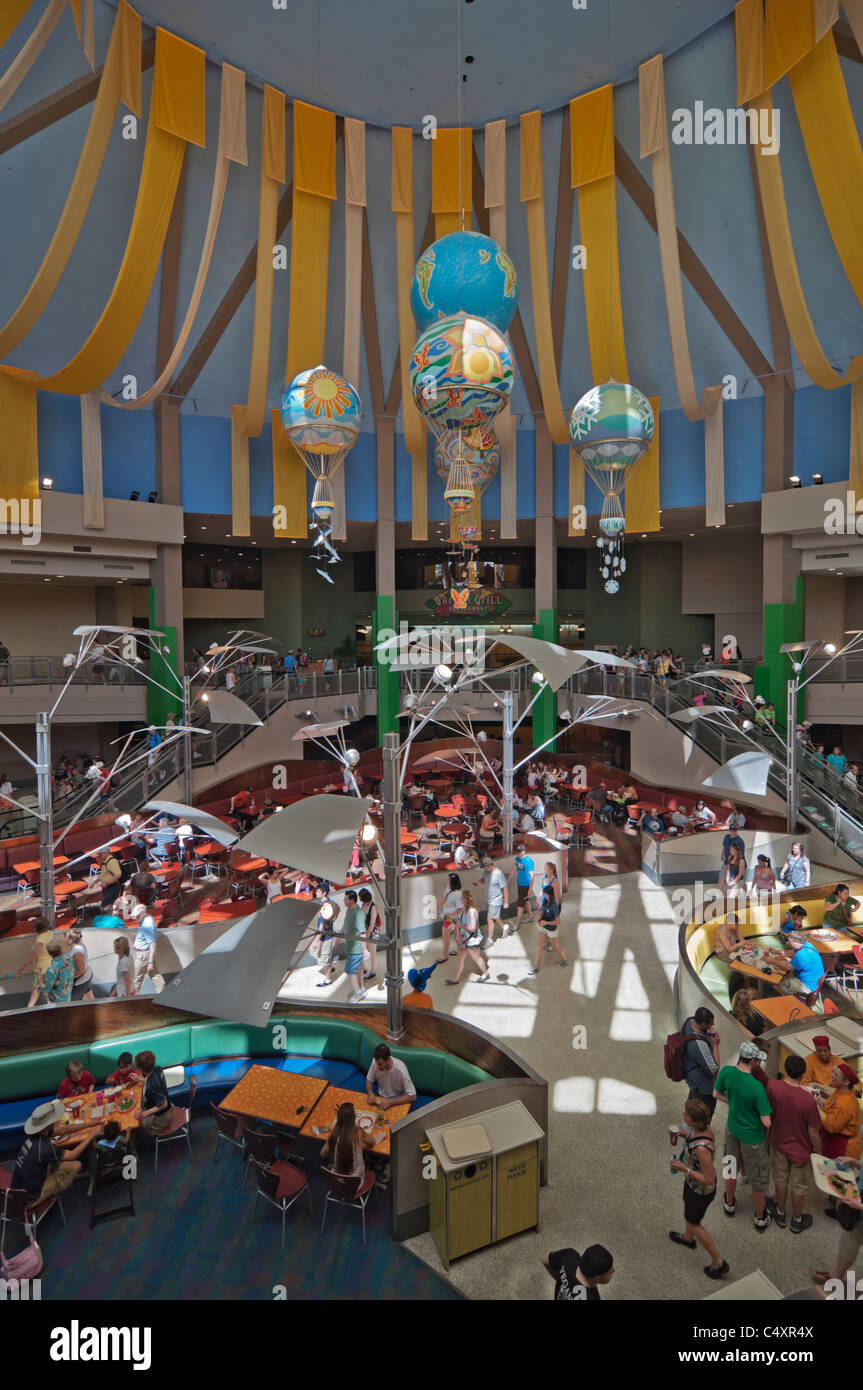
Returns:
point(46, 816)
point(507, 773)
point(791, 754)
point(392, 885)
point(187, 741)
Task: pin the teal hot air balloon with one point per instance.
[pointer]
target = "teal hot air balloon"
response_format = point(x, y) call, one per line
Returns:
point(611, 428)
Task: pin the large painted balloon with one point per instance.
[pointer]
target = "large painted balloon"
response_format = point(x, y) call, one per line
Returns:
point(611, 426)
point(461, 373)
point(321, 412)
point(480, 447)
point(467, 273)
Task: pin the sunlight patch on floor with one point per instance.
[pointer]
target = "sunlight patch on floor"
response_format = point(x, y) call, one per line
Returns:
point(619, 1098)
point(574, 1095)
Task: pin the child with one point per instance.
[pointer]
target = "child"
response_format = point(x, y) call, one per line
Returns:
point(77, 1083)
point(126, 1074)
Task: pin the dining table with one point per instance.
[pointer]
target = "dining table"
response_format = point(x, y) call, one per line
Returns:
point(283, 1098)
point(29, 868)
point(782, 1009)
point(67, 887)
point(93, 1110)
point(323, 1116)
point(446, 811)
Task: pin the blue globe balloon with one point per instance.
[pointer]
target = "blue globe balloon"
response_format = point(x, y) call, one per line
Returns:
point(464, 273)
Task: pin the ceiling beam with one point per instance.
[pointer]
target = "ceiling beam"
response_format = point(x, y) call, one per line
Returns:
point(846, 44)
point(705, 287)
point(562, 233)
point(520, 347)
point(62, 103)
point(169, 286)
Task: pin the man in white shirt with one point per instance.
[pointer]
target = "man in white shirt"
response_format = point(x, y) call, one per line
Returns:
point(496, 898)
point(532, 779)
point(392, 1079)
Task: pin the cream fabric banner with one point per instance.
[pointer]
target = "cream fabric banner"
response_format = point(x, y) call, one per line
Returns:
point(855, 472)
point(654, 125)
point(826, 15)
point(21, 65)
point(414, 426)
point(116, 84)
point(505, 425)
point(231, 149)
point(854, 11)
point(355, 201)
point(88, 41)
point(91, 456)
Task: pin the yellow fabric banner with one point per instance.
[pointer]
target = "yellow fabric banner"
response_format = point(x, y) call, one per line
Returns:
point(642, 489)
point(125, 39)
point(89, 36)
point(19, 457)
point(749, 41)
point(273, 152)
point(29, 52)
point(591, 123)
point(314, 150)
point(241, 523)
point(289, 484)
point(355, 200)
point(855, 469)
point(597, 220)
point(532, 193)
point(812, 356)
point(231, 149)
point(789, 33)
point(833, 148)
point(653, 116)
point(452, 180)
point(414, 426)
point(13, 11)
point(178, 89)
point(163, 161)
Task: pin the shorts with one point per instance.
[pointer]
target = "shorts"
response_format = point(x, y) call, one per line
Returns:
point(158, 1123)
point(82, 986)
point(752, 1157)
point(695, 1204)
point(56, 1182)
point(354, 962)
point(850, 1243)
point(494, 908)
point(548, 928)
point(325, 954)
point(791, 984)
point(794, 1176)
point(523, 893)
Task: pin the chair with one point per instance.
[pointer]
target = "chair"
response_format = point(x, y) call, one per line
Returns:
point(19, 1207)
point(262, 1146)
point(229, 1129)
point(280, 1185)
point(107, 1170)
point(180, 1126)
point(848, 977)
point(348, 1192)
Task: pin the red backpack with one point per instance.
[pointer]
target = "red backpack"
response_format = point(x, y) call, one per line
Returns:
point(672, 1057)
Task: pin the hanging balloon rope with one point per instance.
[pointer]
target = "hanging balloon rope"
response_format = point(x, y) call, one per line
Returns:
point(321, 415)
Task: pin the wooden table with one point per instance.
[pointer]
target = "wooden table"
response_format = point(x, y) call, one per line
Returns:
point(282, 1097)
point(29, 869)
point(69, 886)
point(839, 946)
point(782, 1009)
point(126, 1119)
point(754, 973)
point(408, 837)
point(447, 812)
point(324, 1115)
point(165, 870)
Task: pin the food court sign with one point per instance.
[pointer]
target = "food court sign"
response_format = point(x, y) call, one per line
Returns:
point(472, 603)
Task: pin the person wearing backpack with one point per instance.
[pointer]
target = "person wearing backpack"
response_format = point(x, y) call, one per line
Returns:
point(699, 1056)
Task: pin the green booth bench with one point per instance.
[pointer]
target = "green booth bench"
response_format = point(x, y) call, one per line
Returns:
point(219, 1054)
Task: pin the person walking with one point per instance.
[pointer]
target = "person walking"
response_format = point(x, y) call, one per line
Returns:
point(469, 940)
point(549, 923)
point(697, 1162)
point(523, 868)
point(354, 933)
point(797, 870)
point(749, 1119)
point(496, 897)
point(794, 1137)
point(700, 1058)
point(450, 905)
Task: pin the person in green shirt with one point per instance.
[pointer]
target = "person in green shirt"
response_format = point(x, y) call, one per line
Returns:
point(354, 932)
point(749, 1113)
point(839, 908)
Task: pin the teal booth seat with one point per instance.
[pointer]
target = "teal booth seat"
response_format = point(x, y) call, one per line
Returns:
point(340, 1050)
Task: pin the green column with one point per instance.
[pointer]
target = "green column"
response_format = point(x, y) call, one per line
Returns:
point(545, 709)
point(162, 663)
point(783, 622)
point(384, 619)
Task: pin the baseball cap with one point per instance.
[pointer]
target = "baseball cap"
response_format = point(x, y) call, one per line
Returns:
point(595, 1261)
point(487, 861)
point(749, 1052)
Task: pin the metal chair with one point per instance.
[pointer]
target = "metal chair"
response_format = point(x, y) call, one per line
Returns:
point(20, 1208)
point(262, 1146)
point(348, 1192)
point(229, 1130)
point(848, 977)
point(181, 1124)
point(108, 1169)
point(280, 1184)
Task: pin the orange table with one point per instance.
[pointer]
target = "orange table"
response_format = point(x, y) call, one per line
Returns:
point(248, 866)
point(782, 1009)
point(282, 1097)
point(408, 837)
point(69, 886)
point(323, 1116)
point(85, 1119)
point(31, 866)
point(839, 945)
point(164, 870)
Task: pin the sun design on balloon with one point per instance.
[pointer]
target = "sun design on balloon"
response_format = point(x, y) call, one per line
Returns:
point(326, 396)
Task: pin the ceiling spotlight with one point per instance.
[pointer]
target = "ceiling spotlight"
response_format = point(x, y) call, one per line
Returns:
point(794, 481)
point(153, 496)
point(481, 736)
point(134, 495)
point(410, 701)
point(443, 674)
point(47, 484)
point(817, 479)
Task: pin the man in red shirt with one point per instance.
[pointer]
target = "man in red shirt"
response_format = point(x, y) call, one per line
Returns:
point(794, 1136)
point(77, 1083)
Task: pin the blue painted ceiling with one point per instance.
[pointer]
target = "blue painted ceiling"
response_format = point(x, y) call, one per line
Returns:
point(394, 61)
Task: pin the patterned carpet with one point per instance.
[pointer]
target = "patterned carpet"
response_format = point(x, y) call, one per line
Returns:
point(192, 1238)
